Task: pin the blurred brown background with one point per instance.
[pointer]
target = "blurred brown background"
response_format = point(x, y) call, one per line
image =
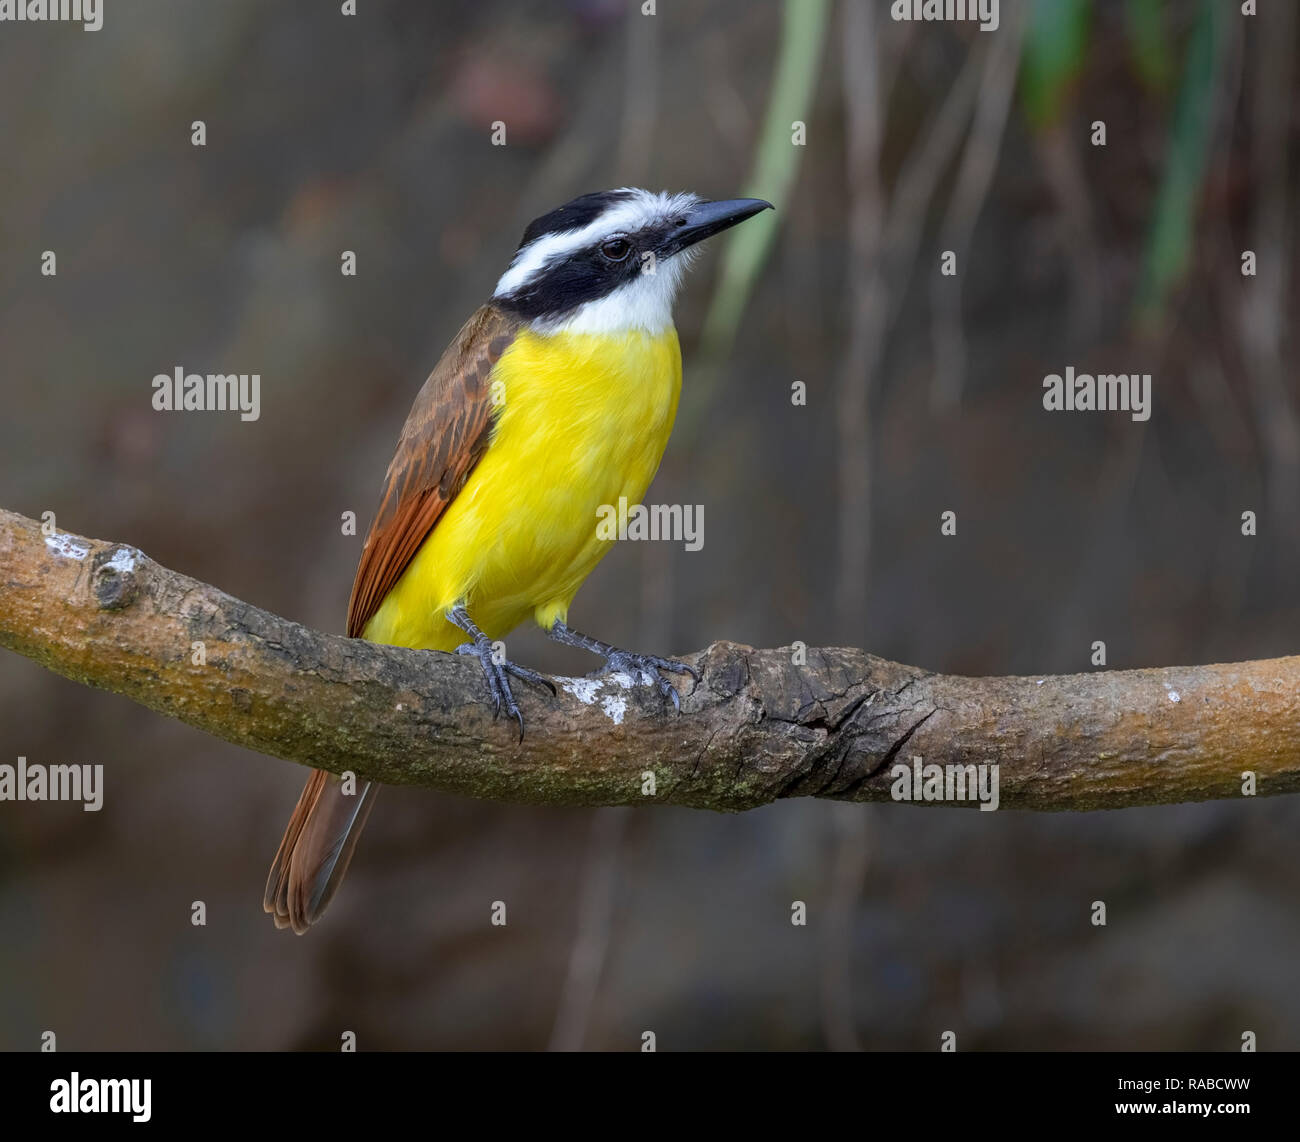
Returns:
point(372, 133)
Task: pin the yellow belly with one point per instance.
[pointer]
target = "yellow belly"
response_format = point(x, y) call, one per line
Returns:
point(585, 420)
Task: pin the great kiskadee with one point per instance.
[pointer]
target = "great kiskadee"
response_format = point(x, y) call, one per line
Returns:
point(554, 400)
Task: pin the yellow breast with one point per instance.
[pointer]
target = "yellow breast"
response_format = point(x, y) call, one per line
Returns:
point(584, 419)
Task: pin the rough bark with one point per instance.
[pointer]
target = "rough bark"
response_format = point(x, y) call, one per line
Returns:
point(756, 728)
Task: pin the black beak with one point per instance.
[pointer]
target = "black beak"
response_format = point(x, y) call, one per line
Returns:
point(707, 219)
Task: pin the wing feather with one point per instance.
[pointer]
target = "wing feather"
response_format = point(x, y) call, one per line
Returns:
point(445, 434)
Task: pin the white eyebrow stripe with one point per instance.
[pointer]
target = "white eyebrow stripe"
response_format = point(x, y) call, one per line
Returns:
point(624, 217)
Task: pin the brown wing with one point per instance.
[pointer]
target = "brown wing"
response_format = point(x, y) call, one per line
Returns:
point(444, 436)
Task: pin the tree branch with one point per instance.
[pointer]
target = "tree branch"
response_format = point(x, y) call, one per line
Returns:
point(756, 728)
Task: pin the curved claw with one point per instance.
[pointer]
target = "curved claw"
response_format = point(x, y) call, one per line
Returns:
point(650, 664)
point(497, 675)
point(678, 667)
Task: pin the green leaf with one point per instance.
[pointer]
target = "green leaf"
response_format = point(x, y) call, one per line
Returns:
point(1169, 243)
point(1148, 41)
point(1055, 46)
point(775, 168)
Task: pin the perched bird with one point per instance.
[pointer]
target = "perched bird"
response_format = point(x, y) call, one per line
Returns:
point(554, 400)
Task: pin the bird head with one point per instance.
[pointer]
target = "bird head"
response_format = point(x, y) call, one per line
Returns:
point(612, 261)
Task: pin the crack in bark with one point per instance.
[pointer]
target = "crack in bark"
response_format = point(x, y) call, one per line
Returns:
point(895, 748)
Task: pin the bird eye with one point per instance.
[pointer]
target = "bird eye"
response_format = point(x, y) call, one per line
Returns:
point(616, 249)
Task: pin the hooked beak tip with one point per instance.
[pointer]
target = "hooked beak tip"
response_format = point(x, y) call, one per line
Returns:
point(708, 218)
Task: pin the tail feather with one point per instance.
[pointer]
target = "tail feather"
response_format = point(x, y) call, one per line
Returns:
point(316, 850)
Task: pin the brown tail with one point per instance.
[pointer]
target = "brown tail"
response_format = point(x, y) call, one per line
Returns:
point(316, 850)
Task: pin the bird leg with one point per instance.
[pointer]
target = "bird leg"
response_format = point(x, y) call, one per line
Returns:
point(645, 665)
point(496, 673)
